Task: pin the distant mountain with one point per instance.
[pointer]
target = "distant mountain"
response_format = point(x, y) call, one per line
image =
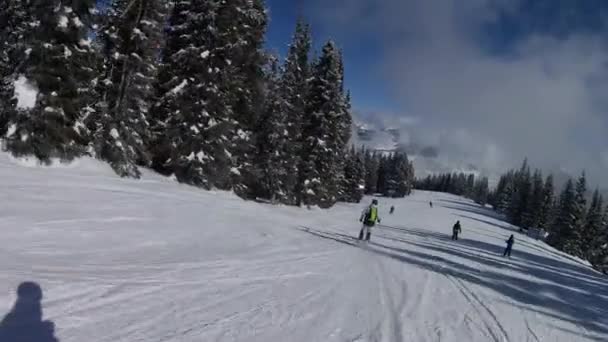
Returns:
point(427, 159)
point(381, 140)
point(430, 159)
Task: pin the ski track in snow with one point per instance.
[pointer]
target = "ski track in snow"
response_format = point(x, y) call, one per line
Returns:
point(151, 260)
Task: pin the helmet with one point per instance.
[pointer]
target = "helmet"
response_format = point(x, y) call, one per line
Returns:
point(375, 202)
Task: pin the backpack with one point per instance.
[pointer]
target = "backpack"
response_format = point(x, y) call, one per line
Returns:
point(371, 216)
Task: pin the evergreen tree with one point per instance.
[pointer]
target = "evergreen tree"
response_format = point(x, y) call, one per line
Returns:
point(383, 170)
point(574, 242)
point(481, 190)
point(194, 116)
point(547, 205)
point(522, 186)
point(242, 26)
point(272, 140)
point(324, 144)
point(498, 191)
point(447, 184)
point(57, 59)
point(131, 36)
point(591, 233)
point(14, 17)
point(600, 256)
point(294, 91)
point(564, 226)
point(532, 217)
point(354, 177)
point(398, 175)
point(372, 166)
point(470, 186)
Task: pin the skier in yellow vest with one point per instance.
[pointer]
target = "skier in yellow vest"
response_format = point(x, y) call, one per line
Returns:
point(369, 217)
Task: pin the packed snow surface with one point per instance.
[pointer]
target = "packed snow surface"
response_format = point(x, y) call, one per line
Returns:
point(121, 260)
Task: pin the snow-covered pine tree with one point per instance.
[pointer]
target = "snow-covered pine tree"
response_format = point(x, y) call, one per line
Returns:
point(351, 189)
point(398, 176)
point(532, 214)
point(481, 191)
point(241, 28)
point(323, 130)
point(383, 169)
point(522, 187)
point(553, 215)
point(600, 260)
point(411, 177)
point(193, 119)
point(573, 244)
point(470, 186)
point(343, 129)
point(372, 165)
point(547, 205)
point(14, 17)
point(448, 185)
point(389, 176)
point(131, 37)
point(56, 65)
point(498, 192)
point(592, 229)
point(562, 230)
point(272, 138)
point(294, 95)
point(361, 155)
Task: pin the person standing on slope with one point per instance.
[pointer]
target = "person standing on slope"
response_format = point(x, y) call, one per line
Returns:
point(510, 243)
point(369, 217)
point(392, 209)
point(456, 230)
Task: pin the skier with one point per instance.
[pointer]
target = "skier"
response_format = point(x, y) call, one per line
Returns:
point(510, 243)
point(456, 230)
point(392, 209)
point(369, 217)
point(431, 204)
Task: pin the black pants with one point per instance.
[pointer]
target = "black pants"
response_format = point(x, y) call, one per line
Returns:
point(455, 236)
point(365, 233)
point(507, 251)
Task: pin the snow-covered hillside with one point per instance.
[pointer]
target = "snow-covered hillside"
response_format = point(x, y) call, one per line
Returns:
point(151, 260)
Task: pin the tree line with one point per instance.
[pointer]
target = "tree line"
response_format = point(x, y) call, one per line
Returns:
point(373, 173)
point(577, 223)
point(185, 88)
point(460, 184)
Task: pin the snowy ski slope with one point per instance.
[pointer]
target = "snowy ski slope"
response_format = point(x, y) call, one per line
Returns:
point(151, 260)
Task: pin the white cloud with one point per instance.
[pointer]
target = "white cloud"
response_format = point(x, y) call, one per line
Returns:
point(546, 100)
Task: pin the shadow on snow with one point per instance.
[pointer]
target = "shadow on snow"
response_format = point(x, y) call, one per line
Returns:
point(24, 322)
point(559, 290)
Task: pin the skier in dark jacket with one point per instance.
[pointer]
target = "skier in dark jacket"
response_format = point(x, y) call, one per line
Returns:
point(510, 243)
point(456, 230)
point(392, 209)
point(431, 204)
point(369, 217)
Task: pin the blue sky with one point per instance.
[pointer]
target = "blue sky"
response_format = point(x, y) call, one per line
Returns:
point(361, 54)
point(488, 82)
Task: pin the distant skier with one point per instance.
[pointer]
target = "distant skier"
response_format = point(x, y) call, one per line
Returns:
point(510, 243)
point(431, 204)
point(369, 217)
point(456, 230)
point(392, 209)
